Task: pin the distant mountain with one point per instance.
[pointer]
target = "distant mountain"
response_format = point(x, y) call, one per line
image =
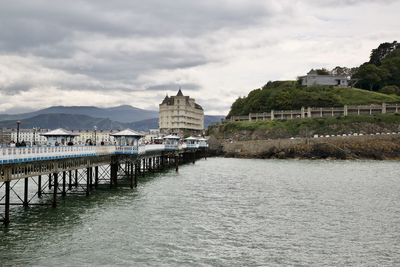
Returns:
point(84, 122)
point(211, 119)
point(67, 121)
point(144, 125)
point(123, 113)
point(153, 123)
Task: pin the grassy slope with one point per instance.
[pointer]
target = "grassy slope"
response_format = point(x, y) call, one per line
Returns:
point(354, 96)
point(308, 127)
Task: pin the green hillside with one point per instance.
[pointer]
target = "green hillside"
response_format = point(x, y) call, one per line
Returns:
point(288, 95)
point(262, 130)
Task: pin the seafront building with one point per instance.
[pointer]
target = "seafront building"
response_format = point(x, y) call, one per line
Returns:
point(101, 136)
point(180, 114)
point(81, 137)
point(28, 136)
point(5, 136)
point(35, 136)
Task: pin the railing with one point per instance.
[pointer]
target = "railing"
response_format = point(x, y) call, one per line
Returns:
point(171, 146)
point(154, 147)
point(19, 154)
point(203, 145)
point(319, 112)
point(192, 146)
point(126, 150)
point(27, 154)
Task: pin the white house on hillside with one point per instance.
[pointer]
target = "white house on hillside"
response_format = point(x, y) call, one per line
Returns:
point(313, 78)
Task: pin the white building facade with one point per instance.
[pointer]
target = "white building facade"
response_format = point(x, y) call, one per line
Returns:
point(29, 136)
point(313, 79)
point(101, 136)
point(180, 114)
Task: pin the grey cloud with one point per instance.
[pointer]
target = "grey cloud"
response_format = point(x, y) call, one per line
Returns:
point(116, 66)
point(33, 23)
point(51, 34)
point(16, 87)
point(339, 3)
point(174, 86)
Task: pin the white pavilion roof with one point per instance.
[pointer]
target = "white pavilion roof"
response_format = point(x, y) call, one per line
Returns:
point(190, 138)
point(172, 137)
point(60, 132)
point(127, 132)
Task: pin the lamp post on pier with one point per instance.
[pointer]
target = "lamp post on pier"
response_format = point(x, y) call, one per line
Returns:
point(95, 135)
point(34, 136)
point(18, 123)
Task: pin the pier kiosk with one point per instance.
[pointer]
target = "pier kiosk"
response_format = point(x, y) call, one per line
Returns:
point(203, 142)
point(60, 137)
point(171, 141)
point(192, 142)
point(127, 141)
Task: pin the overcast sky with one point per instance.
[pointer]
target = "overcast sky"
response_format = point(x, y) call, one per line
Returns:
point(108, 53)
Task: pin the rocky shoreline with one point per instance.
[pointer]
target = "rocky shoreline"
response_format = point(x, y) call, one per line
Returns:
point(377, 147)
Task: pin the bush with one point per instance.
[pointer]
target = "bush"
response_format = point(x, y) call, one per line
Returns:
point(390, 90)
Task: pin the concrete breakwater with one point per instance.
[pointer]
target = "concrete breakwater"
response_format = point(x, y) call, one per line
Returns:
point(339, 147)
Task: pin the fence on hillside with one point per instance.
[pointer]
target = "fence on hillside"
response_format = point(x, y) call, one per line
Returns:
point(315, 112)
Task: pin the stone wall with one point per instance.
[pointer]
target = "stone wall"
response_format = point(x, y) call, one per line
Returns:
point(350, 147)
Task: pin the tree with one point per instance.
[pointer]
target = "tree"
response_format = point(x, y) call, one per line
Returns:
point(390, 90)
point(237, 107)
point(383, 50)
point(343, 71)
point(322, 71)
point(370, 76)
point(391, 64)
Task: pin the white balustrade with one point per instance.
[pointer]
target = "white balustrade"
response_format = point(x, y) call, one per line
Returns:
point(24, 154)
point(154, 147)
point(192, 146)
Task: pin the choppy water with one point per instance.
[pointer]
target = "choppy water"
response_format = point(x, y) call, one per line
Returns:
point(222, 212)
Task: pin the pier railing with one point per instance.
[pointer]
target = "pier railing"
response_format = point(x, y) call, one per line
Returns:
point(20, 154)
point(10, 155)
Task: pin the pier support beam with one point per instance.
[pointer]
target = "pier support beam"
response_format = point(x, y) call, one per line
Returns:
point(76, 178)
point(91, 178)
point(150, 165)
point(113, 173)
point(87, 181)
point(96, 176)
point(55, 186)
point(50, 181)
point(69, 180)
point(131, 174)
point(25, 203)
point(39, 183)
point(64, 193)
point(7, 204)
point(136, 174)
point(176, 163)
